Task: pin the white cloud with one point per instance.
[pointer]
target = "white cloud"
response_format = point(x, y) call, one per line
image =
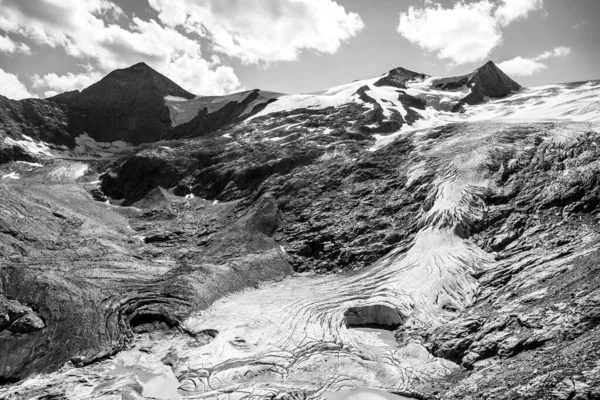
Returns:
point(263, 30)
point(12, 87)
point(64, 83)
point(86, 30)
point(9, 46)
point(520, 66)
point(463, 34)
point(467, 32)
point(514, 10)
point(557, 52)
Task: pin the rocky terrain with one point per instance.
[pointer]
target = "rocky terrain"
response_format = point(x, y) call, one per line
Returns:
point(404, 236)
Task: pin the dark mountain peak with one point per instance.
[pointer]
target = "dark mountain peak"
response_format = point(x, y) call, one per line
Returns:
point(496, 82)
point(127, 104)
point(486, 81)
point(489, 64)
point(140, 65)
point(398, 78)
point(141, 75)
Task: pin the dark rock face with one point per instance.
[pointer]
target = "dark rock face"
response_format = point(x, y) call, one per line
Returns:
point(398, 78)
point(376, 121)
point(127, 104)
point(486, 81)
point(17, 318)
point(14, 153)
point(41, 120)
point(378, 315)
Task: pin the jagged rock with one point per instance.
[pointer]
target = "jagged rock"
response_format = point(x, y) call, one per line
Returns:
point(128, 104)
point(570, 389)
point(486, 81)
point(13, 153)
point(27, 324)
point(398, 77)
point(590, 307)
point(38, 119)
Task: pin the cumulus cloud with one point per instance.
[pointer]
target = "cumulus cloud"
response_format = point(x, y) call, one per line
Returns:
point(64, 83)
point(9, 46)
point(520, 66)
point(514, 10)
point(263, 30)
point(557, 52)
point(467, 32)
point(88, 30)
point(12, 87)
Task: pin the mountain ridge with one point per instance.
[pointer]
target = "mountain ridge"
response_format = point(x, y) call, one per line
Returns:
point(305, 246)
point(131, 105)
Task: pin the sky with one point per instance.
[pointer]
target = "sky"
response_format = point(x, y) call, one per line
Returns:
point(213, 47)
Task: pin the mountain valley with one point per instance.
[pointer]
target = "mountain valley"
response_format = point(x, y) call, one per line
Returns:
point(401, 237)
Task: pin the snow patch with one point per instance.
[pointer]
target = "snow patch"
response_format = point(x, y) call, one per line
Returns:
point(30, 164)
point(85, 145)
point(31, 146)
point(12, 175)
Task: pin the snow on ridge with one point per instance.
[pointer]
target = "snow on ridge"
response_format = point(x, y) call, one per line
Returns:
point(85, 147)
point(12, 175)
point(183, 111)
point(30, 145)
point(175, 98)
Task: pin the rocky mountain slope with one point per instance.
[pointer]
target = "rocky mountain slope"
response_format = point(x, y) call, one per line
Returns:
point(404, 236)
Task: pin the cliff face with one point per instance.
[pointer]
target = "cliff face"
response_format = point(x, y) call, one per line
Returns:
point(37, 120)
point(127, 104)
point(486, 81)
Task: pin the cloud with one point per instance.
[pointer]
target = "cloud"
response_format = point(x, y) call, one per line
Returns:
point(513, 10)
point(12, 87)
point(580, 25)
point(557, 52)
point(263, 30)
point(520, 66)
point(88, 30)
point(465, 33)
point(9, 46)
point(64, 83)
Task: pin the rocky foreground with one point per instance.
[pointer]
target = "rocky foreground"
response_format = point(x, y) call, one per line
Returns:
point(400, 237)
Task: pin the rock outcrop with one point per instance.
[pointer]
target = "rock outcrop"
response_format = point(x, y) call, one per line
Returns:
point(128, 104)
point(38, 119)
point(486, 81)
point(398, 77)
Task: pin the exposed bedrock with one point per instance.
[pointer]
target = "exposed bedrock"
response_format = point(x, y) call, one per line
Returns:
point(398, 77)
point(87, 284)
point(128, 104)
point(378, 315)
point(38, 119)
point(215, 169)
point(479, 245)
point(486, 81)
